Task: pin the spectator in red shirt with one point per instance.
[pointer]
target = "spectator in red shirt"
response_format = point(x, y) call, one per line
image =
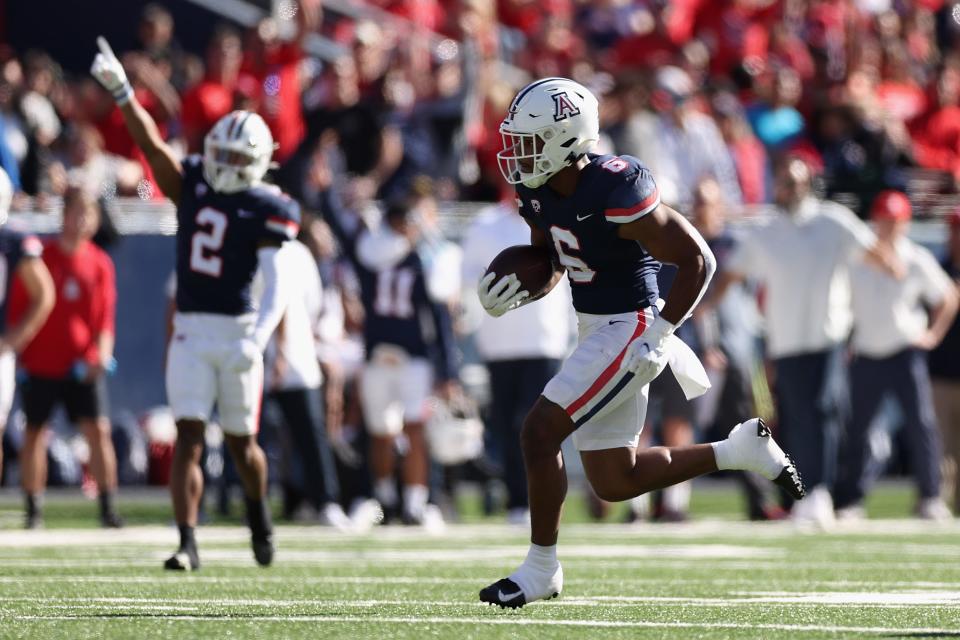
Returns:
point(213, 97)
point(69, 357)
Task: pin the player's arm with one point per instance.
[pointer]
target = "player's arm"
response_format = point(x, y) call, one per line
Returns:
point(280, 226)
point(669, 238)
point(38, 284)
point(167, 169)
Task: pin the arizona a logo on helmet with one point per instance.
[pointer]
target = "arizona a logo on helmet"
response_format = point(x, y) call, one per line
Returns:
point(563, 107)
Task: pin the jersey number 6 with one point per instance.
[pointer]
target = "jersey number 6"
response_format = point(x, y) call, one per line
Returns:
point(577, 269)
point(207, 242)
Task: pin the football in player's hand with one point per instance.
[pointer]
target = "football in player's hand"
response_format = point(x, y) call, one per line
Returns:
point(532, 265)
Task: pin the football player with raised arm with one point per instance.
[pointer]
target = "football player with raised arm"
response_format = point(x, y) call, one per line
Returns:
point(228, 223)
point(602, 218)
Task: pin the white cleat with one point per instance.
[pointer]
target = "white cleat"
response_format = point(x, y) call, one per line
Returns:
point(332, 515)
point(755, 450)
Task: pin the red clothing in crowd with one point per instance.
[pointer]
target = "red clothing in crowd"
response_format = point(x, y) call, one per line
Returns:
point(202, 107)
point(85, 307)
point(278, 95)
point(936, 142)
point(750, 159)
point(118, 141)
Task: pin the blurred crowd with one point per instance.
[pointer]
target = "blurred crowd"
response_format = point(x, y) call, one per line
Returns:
point(866, 90)
point(713, 96)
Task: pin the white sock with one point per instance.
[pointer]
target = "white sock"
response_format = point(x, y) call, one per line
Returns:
point(723, 452)
point(542, 558)
point(677, 497)
point(414, 499)
point(385, 491)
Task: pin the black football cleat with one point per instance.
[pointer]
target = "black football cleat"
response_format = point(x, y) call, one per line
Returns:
point(111, 520)
point(263, 549)
point(185, 559)
point(507, 594)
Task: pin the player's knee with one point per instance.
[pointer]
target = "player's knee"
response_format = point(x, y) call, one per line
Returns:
point(613, 492)
point(189, 436)
point(538, 436)
point(242, 448)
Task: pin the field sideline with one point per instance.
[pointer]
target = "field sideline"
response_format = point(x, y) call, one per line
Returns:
point(713, 578)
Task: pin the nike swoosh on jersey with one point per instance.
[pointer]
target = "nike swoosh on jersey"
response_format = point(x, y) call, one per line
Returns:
point(508, 596)
point(616, 321)
point(579, 219)
point(243, 213)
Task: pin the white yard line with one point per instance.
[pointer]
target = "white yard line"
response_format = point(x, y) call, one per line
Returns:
point(898, 599)
point(514, 619)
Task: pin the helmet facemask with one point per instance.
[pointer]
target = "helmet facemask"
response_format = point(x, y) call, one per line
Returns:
point(523, 158)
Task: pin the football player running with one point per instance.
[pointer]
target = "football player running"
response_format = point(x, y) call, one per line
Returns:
point(603, 218)
point(228, 223)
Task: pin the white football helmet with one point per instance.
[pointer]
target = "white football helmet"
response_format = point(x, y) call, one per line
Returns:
point(6, 196)
point(236, 152)
point(551, 123)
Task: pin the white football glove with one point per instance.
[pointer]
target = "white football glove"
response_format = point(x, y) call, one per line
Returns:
point(109, 72)
point(646, 357)
point(503, 296)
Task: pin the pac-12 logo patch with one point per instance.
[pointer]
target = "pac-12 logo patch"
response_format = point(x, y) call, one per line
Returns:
point(563, 107)
point(536, 205)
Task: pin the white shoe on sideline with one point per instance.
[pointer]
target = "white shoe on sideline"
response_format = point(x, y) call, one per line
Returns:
point(518, 516)
point(934, 509)
point(365, 514)
point(332, 515)
point(815, 510)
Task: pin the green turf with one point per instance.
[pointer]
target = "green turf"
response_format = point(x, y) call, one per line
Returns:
point(717, 577)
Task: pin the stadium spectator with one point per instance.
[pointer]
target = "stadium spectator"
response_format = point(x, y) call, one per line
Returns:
point(891, 335)
point(160, 46)
point(727, 335)
point(944, 362)
point(521, 351)
point(213, 97)
point(749, 155)
point(686, 146)
point(800, 256)
point(86, 165)
point(68, 359)
point(293, 381)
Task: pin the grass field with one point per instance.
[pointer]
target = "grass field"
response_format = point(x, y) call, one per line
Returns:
point(716, 577)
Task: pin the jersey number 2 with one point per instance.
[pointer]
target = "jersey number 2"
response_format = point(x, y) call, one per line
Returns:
point(207, 242)
point(578, 270)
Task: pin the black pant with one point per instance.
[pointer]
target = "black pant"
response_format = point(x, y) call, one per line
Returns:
point(812, 403)
point(515, 386)
point(302, 411)
point(905, 376)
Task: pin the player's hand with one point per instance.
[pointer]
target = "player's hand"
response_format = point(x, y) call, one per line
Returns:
point(646, 357)
point(501, 297)
point(108, 71)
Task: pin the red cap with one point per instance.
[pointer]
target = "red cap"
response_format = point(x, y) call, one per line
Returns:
point(891, 205)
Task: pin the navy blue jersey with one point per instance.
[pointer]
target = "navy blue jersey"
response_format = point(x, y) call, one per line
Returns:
point(14, 247)
point(607, 273)
point(398, 310)
point(218, 235)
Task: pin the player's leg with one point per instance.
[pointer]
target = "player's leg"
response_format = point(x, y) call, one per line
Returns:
point(191, 390)
point(416, 386)
point(86, 405)
point(540, 575)
point(39, 396)
point(239, 394)
point(383, 415)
